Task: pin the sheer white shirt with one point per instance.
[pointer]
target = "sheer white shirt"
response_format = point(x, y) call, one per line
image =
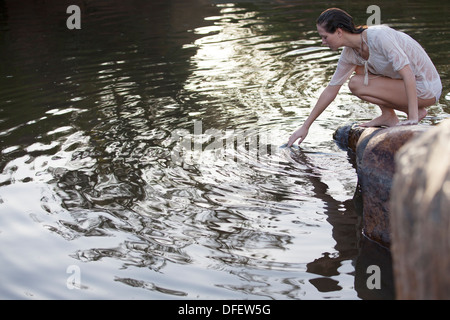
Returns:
point(389, 51)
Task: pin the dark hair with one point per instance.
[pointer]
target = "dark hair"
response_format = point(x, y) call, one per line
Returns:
point(334, 18)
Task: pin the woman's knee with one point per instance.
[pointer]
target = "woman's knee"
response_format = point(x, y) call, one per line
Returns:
point(355, 84)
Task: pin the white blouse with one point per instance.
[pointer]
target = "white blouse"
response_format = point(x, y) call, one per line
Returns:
point(389, 51)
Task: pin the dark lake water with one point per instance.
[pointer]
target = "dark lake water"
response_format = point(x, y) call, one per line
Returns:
point(140, 155)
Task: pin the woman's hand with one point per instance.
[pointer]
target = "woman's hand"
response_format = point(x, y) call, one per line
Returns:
point(300, 135)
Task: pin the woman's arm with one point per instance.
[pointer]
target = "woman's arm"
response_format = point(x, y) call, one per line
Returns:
point(411, 92)
point(326, 97)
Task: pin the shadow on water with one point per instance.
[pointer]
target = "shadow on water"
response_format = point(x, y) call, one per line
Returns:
point(345, 218)
point(98, 133)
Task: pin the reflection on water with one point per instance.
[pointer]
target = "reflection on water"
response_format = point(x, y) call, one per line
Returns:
point(145, 150)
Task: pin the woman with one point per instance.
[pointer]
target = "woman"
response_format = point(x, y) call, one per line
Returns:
point(391, 70)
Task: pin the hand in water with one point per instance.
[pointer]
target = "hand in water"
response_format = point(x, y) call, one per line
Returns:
point(300, 135)
point(291, 147)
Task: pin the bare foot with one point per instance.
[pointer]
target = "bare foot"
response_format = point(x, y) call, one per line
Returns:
point(382, 121)
point(422, 113)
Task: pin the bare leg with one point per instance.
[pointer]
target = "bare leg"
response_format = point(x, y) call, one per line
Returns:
point(389, 94)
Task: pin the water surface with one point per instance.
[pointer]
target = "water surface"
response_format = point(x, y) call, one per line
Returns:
point(142, 152)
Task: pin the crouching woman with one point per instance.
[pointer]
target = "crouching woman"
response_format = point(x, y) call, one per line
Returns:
point(390, 69)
